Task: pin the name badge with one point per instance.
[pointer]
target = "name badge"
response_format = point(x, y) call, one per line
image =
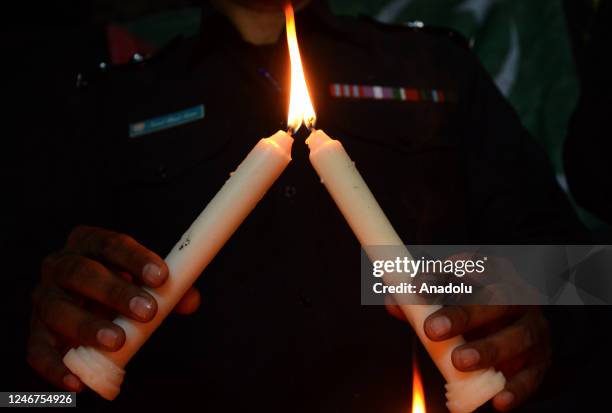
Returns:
point(168, 121)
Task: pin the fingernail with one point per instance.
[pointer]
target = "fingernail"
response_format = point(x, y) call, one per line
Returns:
point(107, 337)
point(72, 382)
point(141, 307)
point(152, 273)
point(440, 326)
point(505, 398)
point(468, 357)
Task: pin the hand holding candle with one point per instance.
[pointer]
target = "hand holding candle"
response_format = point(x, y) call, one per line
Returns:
point(103, 371)
point(465, 391)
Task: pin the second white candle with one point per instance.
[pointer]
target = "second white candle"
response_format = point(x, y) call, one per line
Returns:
point(465, 391)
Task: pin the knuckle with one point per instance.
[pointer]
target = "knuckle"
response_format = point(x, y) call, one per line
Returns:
point(117, 294)
point(461, 318)
point(85, 330)
point(51, 311)
point(69, 266)
point(72, 271)
point(83, 273)
point(48, 263)
point(77, 234)
point(490, 353)
point(112, 243)
point(133, 255)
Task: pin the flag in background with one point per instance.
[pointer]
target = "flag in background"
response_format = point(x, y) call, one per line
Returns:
point(523, 44)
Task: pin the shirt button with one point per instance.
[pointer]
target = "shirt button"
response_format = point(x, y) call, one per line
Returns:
point(305, 300)
point(80, 81)
point(162, 171)
point(137, 57)
point(290, 191)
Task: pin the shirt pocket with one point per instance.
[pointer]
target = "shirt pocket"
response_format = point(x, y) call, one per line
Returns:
point(404, 126)
point(153, 186)
point(412, 162)
point(166, 155)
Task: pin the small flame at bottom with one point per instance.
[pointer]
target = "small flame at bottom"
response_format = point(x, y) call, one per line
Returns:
point(418, 394)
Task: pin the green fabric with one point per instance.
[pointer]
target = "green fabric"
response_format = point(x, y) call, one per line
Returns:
point(522, 43)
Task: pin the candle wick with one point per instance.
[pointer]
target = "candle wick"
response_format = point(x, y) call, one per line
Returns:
point(310, 123)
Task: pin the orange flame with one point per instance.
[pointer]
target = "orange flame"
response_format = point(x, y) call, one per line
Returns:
point(418, 394)
point(300, 105)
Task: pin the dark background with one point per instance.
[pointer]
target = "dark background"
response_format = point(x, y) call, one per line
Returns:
point(46, 44)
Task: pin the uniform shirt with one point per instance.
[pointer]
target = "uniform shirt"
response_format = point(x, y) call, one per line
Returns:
point(281, 326)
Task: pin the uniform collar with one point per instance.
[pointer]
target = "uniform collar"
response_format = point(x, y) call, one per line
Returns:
point(217, 31)
point(218, 35)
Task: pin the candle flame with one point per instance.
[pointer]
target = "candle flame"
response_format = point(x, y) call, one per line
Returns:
point(300, 104)
point(418, 394)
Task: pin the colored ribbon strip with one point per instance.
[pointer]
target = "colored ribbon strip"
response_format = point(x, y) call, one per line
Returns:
point(339, 90)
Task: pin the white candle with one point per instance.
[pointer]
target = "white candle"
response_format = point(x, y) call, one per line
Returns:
point(103, 371)
point(465, 391)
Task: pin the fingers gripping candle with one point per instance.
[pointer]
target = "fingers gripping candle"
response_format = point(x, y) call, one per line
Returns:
point(103, 371)
point(465, 391)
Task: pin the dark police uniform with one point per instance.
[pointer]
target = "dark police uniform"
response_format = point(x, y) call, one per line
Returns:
point(281, 326)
